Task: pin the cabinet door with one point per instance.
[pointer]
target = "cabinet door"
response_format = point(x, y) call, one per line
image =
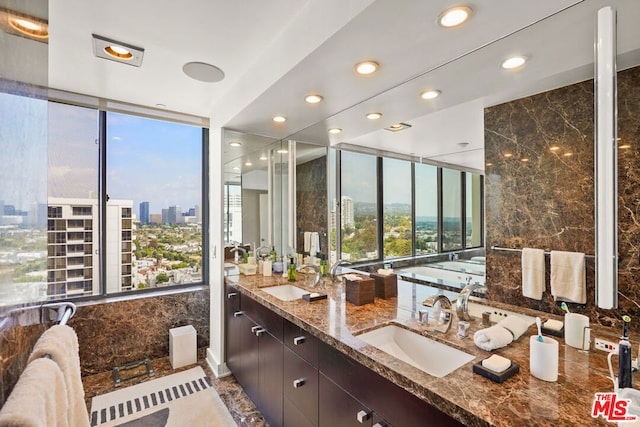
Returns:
point(248, 373)
point(270, 378)
point(300, 387)
point(233, 345)
point(339, 408)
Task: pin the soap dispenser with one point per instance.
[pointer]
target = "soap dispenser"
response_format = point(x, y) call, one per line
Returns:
point(624, 356)
point(291, 270)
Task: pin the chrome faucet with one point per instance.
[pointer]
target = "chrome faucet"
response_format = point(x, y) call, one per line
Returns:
point(236, 249)
point(313, 267)
point(334, 268)
point(445, 306)
point(256, 252)
point(462, 303)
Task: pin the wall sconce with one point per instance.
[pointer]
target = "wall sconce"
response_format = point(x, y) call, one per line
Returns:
point(606, 165)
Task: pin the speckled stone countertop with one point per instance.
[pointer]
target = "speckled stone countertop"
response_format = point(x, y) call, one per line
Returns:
point(471, 399)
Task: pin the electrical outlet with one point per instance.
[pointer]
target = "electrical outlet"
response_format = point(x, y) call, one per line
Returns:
point(605, 345)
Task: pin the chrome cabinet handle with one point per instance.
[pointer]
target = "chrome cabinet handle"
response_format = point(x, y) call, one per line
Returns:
point(298, 340)
point(298, 383)
point(379, 425)
point(238, 313)
point(260, 331)
point(255, 328)
point(362, 416)
point(231, 295)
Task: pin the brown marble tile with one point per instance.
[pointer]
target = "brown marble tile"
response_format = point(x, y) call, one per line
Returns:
point(311, 202)
point(547, 201)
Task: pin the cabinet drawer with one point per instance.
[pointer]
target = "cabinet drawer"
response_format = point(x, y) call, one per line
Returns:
point(339, 408)
point(262, 316)
point(301, 385)
point(301, 342)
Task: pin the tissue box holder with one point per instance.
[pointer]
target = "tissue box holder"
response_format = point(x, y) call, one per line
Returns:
point(360, 292)
point(386, 286)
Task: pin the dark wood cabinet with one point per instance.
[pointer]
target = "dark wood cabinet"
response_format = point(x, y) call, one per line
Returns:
point(297, 380)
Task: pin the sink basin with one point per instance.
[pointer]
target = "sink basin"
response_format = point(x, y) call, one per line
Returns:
point(430, 356)
point(285, 292)
point(497, 314)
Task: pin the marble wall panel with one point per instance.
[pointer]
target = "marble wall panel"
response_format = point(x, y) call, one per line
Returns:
point(113, 333)
point(311, 201)
point(540, 194)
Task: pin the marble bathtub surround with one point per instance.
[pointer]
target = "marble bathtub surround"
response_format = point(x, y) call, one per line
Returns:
point(112, 333)
point(548, 201)
point(469, 398)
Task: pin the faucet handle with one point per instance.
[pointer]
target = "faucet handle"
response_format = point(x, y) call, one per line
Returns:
point(423, 316)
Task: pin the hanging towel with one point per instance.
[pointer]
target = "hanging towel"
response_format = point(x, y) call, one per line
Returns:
point(314, 247)
point(38, 399)
point(568, 281)
point(307, 241)
point(491, 338)
point(532, 273)
point(60, 343)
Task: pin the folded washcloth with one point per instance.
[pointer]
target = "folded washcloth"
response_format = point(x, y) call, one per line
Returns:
point(491, 338)
point(515, 325)
point(60, 343)
point(38, 399)
point(568, 281)
point(532, 273)
point(314, 243)
point(307, 241)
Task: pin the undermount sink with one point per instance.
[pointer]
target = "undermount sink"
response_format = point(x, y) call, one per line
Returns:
point(430, 356)
point(497, 314)
point(285, 292)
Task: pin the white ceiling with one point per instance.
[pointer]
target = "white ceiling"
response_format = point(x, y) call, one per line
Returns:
point(275, 52)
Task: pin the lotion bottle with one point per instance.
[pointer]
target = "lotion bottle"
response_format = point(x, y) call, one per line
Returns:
point(625, 374)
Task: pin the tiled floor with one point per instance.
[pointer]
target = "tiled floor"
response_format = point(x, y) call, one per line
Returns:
point(240, 406)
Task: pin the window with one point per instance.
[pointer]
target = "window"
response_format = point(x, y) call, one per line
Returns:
point(426, 183)
point(358, 206)
point(451, 210)
point(150, 167)
point(232, 212)
point(396, 190)
point(473, 192)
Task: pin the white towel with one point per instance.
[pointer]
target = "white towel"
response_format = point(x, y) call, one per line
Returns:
point(532, 273)
point(60, 342)
point(38, 399)
point(307, 241)
point(514, 324)
point(491, 338)
point(314, 246)
point(568, 281)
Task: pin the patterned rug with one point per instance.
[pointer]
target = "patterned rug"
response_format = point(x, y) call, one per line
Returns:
point(183, 399)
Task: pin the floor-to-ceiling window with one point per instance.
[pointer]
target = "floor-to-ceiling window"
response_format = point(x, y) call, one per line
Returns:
point(397, 207)
point(358, 206)
point(473, 210)
point(451, 209)
point(426, 227)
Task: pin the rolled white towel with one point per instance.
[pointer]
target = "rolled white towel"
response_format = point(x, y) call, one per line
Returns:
point(491, 338)
point(515, 325)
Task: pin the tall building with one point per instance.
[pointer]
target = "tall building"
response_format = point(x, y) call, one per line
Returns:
point(174, 215)
point(73, 243)
point(346, 211)
point(144, 212)
point(165, 216)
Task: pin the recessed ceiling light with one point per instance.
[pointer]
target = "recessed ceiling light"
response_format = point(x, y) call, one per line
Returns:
point(624, 146)
point(489, 164)
point(117, 51)
point(554, 148)
point(313, 99)
point(161, 105)
point(455, 16)
point(366, 67)
point(30, 27)
point(524, 160)
point(568, 154)
point(236, 168)
point(283, 151)
point(508, 155)
point(430, 94)
point(514, 62)
point(235, 144)
point(203, 72)
point(463, 144)
point(374, 116)
point(248, 163)
point(335, 130)
point(263, 157)
point(279, 119)
point(398, 127)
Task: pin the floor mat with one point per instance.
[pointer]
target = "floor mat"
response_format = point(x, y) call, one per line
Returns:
point(183, 399)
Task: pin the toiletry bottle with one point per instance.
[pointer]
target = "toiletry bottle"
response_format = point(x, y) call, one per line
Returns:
point(273, 254)
point(624, 356)
point(291, 270)
point(245, 259)
point(323, 266)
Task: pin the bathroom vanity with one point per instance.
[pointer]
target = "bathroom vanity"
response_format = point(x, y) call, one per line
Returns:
point(303, 364)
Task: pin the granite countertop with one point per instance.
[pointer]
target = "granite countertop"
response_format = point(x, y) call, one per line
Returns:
point(465, 396)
